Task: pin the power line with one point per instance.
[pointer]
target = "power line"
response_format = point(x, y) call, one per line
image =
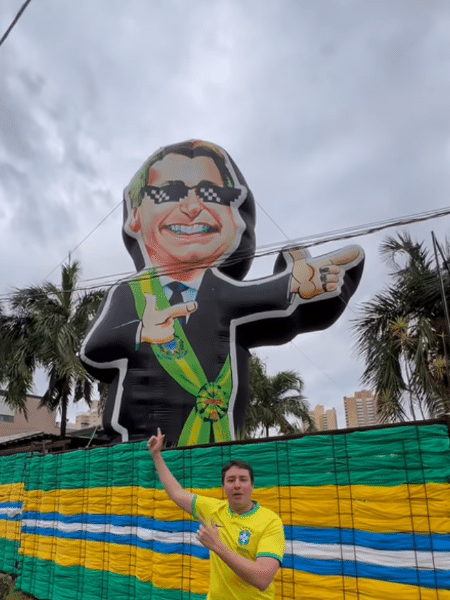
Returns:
point(113, 210)
point(313, 240)
point(309, 241)
point(16, 18)
point(351, 232)
point(305, 242)
point(271, 219)
point(85, 238)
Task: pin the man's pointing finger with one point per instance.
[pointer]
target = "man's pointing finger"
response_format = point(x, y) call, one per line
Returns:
point(346, 256)
point(164, 318)
point(181, 310)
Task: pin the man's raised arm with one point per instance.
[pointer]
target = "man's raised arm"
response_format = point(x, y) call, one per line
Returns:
point(176, 493)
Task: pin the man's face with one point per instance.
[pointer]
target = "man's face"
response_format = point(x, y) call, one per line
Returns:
point(238, 488)
point(188, 229)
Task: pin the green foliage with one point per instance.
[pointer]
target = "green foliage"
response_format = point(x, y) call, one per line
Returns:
point(45, 329)
point(7, 591)
point(402, 335)
point(272, 399)
point(4, 587)
point(17, 595)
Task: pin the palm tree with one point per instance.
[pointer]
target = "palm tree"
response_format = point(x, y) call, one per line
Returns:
point(402, 334)
point(271, 401)
point(45, 329)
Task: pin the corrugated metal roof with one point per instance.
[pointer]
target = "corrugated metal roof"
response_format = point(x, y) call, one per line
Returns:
point(20, 436)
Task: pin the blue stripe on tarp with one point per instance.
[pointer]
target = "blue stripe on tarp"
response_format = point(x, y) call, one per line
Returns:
point(424, 578)
point(116, 520)
point(377, 541)
point(123, 540)
point(6, 517)
point(8, 506)
point(432, 542)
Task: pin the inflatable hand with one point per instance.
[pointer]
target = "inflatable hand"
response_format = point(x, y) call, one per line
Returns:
point(157, 325)
point(314, 276)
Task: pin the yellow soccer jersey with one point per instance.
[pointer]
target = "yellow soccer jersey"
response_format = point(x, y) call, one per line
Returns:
point(256, 533)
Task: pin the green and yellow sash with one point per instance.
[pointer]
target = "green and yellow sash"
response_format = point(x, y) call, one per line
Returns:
point(178, 359)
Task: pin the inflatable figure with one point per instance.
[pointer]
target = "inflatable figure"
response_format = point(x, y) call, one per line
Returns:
point(173, 341)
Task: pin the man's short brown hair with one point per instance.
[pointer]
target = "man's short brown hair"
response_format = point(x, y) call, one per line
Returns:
point(240, 464)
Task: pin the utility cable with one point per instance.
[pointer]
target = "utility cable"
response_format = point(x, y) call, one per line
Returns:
point(85, 238)
point(261, 207)
point(16, 18)
point(308, 242)
point(305, 242)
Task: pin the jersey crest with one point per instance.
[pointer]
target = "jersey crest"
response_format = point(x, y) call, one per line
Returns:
point(244, 537)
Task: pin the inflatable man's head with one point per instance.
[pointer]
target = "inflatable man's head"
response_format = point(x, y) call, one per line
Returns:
point(190, 206)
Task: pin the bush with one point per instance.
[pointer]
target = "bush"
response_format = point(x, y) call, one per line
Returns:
point(4, 586)
point(7, 591)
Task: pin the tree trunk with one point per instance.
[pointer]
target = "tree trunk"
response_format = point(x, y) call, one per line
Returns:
point(63, 417)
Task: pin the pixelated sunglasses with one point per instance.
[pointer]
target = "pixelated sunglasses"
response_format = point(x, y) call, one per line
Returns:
point(205, 190)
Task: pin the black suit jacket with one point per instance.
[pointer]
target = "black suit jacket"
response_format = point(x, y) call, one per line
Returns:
point(231, 318)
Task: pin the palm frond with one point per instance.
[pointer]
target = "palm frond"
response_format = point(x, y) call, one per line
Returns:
point(275, 401)
point(45, 330)
point(402, 331)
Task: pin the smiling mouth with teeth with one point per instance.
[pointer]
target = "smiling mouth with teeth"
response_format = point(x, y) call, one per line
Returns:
point(191, 229)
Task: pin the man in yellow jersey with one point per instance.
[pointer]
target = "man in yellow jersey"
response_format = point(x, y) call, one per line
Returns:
point(246, 541)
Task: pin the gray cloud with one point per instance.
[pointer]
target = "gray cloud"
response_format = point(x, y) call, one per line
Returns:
point(336, 112)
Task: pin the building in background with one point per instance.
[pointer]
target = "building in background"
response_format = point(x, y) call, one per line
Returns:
point(89, 419)
point(324, 419)
point(14, 422)
point(361, 409)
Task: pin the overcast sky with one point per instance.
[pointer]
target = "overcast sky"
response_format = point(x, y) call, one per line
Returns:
point(336, 111)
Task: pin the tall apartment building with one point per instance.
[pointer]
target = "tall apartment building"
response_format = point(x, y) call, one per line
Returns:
point(324, 419)
point(361, 409)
